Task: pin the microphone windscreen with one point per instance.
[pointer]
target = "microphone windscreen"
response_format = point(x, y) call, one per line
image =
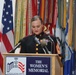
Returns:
point(43, 42)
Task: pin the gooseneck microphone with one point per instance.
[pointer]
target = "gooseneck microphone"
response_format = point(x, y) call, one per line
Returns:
point(43, 45)
point(52, 41)
point(16, 46)
point(37, 41)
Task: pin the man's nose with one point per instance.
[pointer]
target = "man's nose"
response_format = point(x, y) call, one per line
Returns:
point(36, 28)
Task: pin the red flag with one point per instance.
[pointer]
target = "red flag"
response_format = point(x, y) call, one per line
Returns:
point(55, 13)
point(54, 17)
point(31, 11)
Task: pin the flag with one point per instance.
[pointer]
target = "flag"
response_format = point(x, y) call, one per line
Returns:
point(69, 61)
point(31, 11)
point(70, 28)
point(55, 13)
point(54, 17)
point(74, 26)
point(69, 64)
point(6, 32)
point(73, 62)
point(20, 22)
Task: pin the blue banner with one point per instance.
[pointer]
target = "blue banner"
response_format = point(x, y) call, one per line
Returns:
point(38, 66)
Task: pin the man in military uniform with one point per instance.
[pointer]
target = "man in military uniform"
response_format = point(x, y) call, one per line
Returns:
point(39, 41)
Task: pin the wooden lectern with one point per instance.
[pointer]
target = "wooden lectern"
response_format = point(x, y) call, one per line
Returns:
point(20, 64)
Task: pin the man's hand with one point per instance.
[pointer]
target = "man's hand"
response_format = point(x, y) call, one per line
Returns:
point(46, 29)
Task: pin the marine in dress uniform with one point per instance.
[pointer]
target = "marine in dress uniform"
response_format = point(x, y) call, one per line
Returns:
point(30, 45)
point(39, 41)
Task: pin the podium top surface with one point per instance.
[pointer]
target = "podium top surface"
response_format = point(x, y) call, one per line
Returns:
point(29, 54)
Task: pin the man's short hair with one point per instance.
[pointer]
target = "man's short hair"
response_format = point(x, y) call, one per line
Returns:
point(36, 17)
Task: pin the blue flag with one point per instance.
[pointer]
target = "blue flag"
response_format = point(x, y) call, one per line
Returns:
point(69, 66)
point(75, 63)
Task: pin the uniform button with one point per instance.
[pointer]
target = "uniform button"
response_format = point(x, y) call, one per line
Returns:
point(37, 49)
point(36, 52)
point(36, 44)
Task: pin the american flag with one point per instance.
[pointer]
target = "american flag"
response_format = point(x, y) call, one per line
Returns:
point(6, 31)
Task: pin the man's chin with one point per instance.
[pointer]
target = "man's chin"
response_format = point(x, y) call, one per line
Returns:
point(37, 33)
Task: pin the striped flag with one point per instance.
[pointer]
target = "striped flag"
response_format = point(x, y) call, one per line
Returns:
point(6, 31)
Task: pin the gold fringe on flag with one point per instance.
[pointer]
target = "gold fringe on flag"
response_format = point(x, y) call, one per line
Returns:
point(74, 26)
point(18, 18)
point(64, 18)
point(70, 23)
point(62, 12)
point(20, 25)
point(23, 26)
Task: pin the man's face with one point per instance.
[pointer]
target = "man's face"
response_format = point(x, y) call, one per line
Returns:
point(37, 27)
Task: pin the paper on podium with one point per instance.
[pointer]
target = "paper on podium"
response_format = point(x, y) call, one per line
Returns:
point(17, 51)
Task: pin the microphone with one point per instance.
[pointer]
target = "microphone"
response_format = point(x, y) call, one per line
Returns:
point(52, 42)
point(44, 42)
point(37, 41)
point(16, 46)
point(50, 38)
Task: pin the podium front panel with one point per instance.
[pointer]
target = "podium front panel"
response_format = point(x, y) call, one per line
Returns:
point(32, 64)
point(27, 65)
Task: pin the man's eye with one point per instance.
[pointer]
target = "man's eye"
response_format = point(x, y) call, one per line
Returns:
point(33, 27)
point(38, 26)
